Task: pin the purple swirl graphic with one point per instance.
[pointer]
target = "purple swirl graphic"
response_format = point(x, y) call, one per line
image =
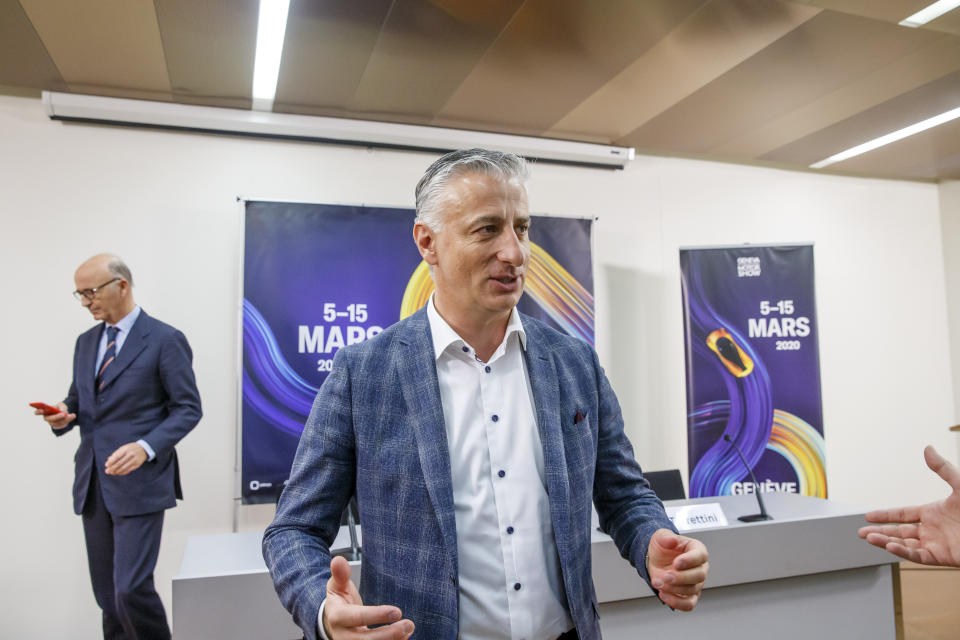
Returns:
point(749, 414)
point(270, 386)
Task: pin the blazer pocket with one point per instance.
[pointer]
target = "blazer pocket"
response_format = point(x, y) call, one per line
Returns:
point(142, 371)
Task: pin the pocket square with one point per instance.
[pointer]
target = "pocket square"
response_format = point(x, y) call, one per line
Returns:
point(577, 419)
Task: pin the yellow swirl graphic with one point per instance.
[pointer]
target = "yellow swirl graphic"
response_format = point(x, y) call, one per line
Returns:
point(803, 447)
point(551, 286)
point(418, 290)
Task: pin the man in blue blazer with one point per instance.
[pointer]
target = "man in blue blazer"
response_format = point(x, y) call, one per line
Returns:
point(475, 440)
point(133, 397)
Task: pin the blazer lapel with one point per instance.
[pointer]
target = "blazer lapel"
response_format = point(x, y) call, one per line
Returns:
point(421, 391)
point(87, 361)
point(546, 398)
point(132, 346)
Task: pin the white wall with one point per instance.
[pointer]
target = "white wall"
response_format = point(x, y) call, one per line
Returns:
point(950, 225)
point(167, 203)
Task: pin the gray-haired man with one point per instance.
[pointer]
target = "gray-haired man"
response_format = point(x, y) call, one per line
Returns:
point(476, 439)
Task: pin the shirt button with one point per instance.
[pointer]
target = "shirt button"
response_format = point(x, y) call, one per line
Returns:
point(510, 530)
point(495, 418)
point(465, 349)
point(516, 586)
point(487, 369)
point(501, 473)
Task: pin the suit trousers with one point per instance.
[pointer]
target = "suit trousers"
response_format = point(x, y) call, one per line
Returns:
point(122, 553)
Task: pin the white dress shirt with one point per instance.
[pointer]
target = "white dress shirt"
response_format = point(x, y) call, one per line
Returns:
point(510, 580)
point(124, 327)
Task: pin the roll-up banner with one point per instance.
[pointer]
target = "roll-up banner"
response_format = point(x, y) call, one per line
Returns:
point(317, 277)
point(753, 370)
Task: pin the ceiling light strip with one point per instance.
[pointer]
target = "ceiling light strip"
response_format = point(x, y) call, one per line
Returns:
point(929, 13)
point(271, 30)
point(900, 134)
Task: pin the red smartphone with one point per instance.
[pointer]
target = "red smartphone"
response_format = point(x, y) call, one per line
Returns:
point(46, 409)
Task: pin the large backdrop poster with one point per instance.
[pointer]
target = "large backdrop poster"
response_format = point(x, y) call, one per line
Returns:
point(317, 277)
point(753, 370)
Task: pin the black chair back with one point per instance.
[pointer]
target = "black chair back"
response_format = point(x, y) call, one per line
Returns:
point(668, 485)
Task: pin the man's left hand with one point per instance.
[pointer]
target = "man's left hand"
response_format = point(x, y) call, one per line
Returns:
point(127, 458)
point(678, 568)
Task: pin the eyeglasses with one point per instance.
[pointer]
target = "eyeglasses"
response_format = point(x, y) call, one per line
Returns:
point(88, 294)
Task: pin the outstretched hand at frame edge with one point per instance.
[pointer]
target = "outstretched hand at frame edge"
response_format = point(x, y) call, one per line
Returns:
point(927, 534)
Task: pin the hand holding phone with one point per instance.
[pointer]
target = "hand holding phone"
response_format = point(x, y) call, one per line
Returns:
point(56, 416)
point(45, 409)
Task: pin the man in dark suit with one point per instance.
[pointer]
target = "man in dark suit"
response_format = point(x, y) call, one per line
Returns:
point(475, 439)
point(134, 397)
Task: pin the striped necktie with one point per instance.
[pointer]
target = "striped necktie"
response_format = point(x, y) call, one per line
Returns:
point(109, 355)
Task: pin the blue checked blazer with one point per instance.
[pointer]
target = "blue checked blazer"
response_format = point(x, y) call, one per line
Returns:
point(377, 428)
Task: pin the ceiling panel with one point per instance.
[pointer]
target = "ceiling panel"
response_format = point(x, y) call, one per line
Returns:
point(423, 53)
point(887, 10)
point(707, 44)
point(24, 61)
point(326, 50)
point(933, 152)
point(209, 49)
point(812, 61)
point(913, 106)
point(103, 46)
point(892, 11)
point(948, 22)
point(552, 55)
point(940, 58)
point(786, 82)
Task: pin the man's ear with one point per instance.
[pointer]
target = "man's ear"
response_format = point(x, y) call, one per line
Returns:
point(426, 241)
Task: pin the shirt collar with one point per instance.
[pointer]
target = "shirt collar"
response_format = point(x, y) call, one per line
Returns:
point(126, 323)
point(444, 336)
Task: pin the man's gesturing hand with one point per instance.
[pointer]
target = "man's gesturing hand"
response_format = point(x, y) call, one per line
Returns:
point(346, 617)
point(678, 568)
point(929, 533)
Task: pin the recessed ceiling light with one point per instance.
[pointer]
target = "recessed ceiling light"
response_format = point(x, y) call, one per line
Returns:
point(900, 134)
point(271, 29)
point(929, 13)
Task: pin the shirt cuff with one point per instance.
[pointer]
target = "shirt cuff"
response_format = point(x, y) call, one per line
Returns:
point(320, 632)
point(151, 455)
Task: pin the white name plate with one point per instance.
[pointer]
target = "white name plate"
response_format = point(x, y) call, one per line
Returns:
point(697, 516)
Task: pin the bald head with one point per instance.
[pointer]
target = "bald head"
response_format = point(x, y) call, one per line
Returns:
point(114, 265)
point(106, 282)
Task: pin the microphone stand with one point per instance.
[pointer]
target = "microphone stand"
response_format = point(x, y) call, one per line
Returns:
point(352, 529)
point(757, 517)
point(353, 552)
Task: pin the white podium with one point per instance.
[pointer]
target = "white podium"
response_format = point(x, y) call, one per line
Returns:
point(804, 574)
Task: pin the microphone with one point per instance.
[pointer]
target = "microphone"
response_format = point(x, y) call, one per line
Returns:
point(757, 517)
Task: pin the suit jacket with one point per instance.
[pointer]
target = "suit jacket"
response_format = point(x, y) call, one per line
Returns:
point(377, 428)
point(149, 393)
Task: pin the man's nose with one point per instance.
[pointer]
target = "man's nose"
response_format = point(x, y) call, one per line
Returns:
point(512, 248)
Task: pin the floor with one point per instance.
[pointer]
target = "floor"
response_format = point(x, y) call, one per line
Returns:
point(930, 600)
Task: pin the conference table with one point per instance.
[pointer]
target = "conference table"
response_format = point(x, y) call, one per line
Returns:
point(804, 574)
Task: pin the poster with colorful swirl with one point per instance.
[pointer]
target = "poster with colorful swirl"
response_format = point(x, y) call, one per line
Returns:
point(317, 277)
point(753, 370)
